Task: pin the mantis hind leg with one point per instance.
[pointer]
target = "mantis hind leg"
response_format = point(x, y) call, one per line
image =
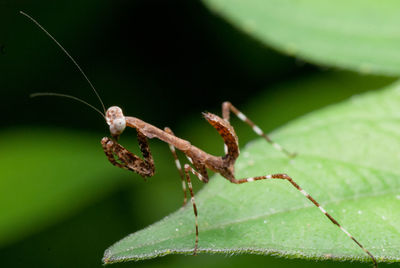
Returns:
point(227, 108)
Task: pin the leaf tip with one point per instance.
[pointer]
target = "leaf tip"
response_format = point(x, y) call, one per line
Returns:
point(107, 259)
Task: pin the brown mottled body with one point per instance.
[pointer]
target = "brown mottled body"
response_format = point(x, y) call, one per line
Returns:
point(201, 160)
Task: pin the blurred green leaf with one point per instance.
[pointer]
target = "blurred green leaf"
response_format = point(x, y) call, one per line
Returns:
point(46, 175)
point(348, 158)
point(356, 35)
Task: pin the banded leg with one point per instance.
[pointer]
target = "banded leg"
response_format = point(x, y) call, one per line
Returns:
point(295, 185)
point(227, 107)
point(178, 166)
point(198, 175)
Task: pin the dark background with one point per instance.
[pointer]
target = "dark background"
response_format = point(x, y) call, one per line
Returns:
point(164, 62)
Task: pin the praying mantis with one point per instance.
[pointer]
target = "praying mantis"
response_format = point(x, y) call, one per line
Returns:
point(200, 161)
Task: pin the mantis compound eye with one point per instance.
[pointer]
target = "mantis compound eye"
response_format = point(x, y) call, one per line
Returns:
point(116, 120)
point(118, 126)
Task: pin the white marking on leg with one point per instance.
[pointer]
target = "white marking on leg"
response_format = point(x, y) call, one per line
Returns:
point(192, 199)
point(277, 146)
point(345, 231)
point(258, 130)
point(190, 159)
point(184, 186)
point(178, 164)
point(250, 179)
point(225, 148)
point(304, 193)
point(172, 148)
point(190, 184)
point(199, 176)
point(241, 116)
point(322, 209)
point(268, 177)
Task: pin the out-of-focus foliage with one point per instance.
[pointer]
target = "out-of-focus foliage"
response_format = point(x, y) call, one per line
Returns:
point(357, 35)
point(40, 182)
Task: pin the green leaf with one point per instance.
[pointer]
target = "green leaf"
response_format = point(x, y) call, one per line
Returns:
point(356, 35)
point(45, 176)
point(348, 159)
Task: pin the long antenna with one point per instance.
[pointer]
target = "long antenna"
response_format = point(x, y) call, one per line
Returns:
point(65, 96)
point(69, 56)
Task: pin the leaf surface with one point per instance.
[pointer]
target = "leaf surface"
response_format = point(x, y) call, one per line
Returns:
point(356, 35)
point(348, 159)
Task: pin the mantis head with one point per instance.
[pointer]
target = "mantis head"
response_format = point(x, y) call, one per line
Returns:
point(116, 120)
